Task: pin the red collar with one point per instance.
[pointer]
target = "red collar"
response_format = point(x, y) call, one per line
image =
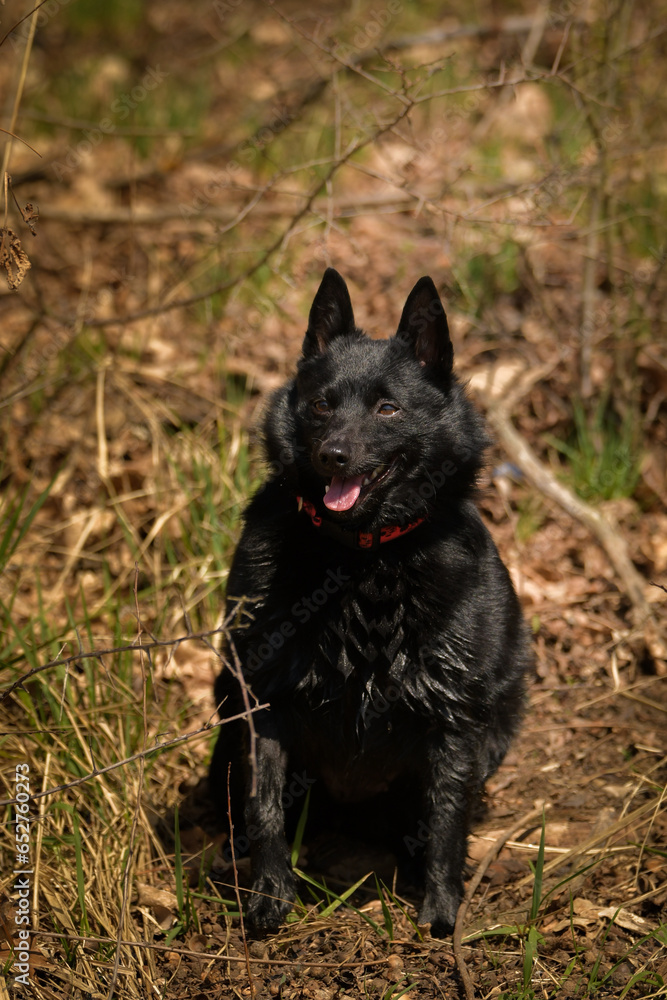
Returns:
point(358, 539)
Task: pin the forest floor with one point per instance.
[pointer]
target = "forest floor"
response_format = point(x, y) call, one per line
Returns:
point(200, 165)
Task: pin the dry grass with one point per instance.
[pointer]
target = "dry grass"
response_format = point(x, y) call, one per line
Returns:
point(128, 457)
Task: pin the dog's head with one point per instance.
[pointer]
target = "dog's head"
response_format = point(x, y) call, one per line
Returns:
point(371, 429)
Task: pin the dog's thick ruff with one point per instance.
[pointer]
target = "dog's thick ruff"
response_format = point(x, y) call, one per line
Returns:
point(394, 675)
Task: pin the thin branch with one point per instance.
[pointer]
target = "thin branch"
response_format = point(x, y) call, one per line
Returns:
point(78, 124)
point(494, 850)
point(237, 891)
point(20, 21)
point(126, 882)
point(267, 960)
point(137, 806)
point(354, 64)
point(276, 245)
point(604, 529)
point(20, 139)
point(235, 668)
point(605, 833)
point(140, 755)
point(18, 95)
point(97, 654)
point(408, 103)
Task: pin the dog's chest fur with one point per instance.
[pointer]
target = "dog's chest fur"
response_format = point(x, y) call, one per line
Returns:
point(356, 688)
point(370, 629)
point(356, 675)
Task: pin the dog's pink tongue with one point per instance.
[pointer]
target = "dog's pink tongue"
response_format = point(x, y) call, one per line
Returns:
point(343, 493)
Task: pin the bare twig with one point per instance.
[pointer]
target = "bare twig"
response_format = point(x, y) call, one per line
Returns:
point(78, 124)
point(20, 21)
point(137, 806)
point(20, 139)
point(276, 245)
point(18, 95)
point(97, 771)
point(232, 959)
point(236, 885)
point(604, 529)
point(558, 863)
point(492, 852)
point(126, 882)
point(97, 654)
point(224, 214)
point(234, 666)
point(407, 102)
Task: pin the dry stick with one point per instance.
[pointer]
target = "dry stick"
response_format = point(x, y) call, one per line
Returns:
point(126, 883)
point(139, 755)
point(236, 885)
point(17, 97)
point(312, 91)
point(235, 668)
point(142, 215)
point(20, 21)
point(310, 197)
point(97, 654)
point(472, 888)
point(230, 959)
point(589, 288)
point(37, 865)
point(604, 834)
point(605, 529)
point(137, 808)
point(270, 250)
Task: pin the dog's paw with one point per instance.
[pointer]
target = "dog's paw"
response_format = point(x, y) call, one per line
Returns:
point(440, 912)
point(269, 905)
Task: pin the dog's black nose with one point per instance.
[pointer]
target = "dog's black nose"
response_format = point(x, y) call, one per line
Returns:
point(334, 457)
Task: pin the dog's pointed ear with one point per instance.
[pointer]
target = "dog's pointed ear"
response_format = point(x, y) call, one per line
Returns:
point(423, 327)
point(330, 314)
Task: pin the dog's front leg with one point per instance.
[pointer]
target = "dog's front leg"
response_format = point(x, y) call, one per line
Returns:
point(272, 878)
point(448, 793)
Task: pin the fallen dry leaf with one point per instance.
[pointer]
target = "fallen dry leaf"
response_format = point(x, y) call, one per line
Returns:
point(13, 258)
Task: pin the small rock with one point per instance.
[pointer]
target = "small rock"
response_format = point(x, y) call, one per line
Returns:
point(258, 949)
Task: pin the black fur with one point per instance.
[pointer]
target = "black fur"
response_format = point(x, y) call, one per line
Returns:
point(394, 674)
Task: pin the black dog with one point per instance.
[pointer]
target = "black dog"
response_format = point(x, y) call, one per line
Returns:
point(372, 611)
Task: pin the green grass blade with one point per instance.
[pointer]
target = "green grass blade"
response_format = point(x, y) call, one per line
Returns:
point(338, 900)
point(178, 866)
point(8, 545)
point(569, 878)
point(174, 932)
point(300, 827)
point(539, 872)
point(391, 993)
point(411, 921)
point(502, 930)
point(386, 912)
point(652, 979)
point(80, 878)
point(529, 956)
point(12, 515)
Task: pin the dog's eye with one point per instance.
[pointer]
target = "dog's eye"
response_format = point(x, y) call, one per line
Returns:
point(320, 406)
point(387, 409)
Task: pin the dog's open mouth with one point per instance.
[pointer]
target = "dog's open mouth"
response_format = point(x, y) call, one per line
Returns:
point(342, 494)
